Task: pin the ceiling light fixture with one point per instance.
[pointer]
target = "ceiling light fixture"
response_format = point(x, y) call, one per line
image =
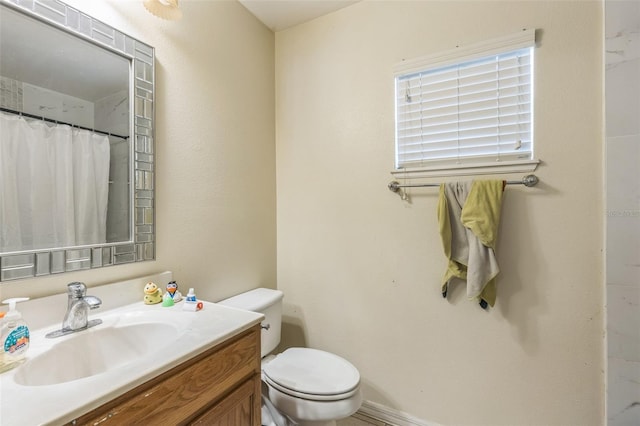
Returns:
point(165, 9)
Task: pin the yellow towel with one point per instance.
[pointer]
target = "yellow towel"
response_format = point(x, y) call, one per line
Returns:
point(469, 216)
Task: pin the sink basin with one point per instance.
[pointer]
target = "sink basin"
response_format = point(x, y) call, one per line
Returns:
point(97, 350)
point(68, 376)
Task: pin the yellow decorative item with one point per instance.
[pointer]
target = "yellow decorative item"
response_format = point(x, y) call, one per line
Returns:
point(152, 294)
point(469, 216)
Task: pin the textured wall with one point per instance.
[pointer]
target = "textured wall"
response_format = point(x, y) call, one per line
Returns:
point(361, 269)
point(215, 181)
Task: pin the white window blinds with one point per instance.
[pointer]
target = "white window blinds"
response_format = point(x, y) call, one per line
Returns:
point(474, 109)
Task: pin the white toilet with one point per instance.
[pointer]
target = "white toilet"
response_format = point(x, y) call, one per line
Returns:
point(300, 386)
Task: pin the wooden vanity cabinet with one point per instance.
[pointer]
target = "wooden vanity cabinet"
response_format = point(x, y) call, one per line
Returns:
point(218, 387)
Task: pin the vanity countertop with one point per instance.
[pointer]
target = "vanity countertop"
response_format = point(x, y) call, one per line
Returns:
point(61, 403)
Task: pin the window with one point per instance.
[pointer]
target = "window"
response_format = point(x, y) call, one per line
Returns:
point(472, 107)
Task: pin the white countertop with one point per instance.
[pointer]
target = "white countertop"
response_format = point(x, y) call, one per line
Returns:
point(61, 403)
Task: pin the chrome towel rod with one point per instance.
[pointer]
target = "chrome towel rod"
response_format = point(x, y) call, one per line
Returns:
point(528, 180)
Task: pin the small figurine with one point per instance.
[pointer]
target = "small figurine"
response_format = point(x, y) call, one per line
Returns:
point(152, 294)
point(167, 300)
point(172, 291)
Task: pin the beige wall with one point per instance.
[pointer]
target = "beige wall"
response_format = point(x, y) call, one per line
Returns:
point(361, 269)
point(215, 150)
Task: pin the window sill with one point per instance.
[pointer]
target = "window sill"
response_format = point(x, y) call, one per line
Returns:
point(526, 166)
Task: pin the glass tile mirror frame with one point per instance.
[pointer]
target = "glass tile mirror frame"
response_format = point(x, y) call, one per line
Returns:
point(141, 245)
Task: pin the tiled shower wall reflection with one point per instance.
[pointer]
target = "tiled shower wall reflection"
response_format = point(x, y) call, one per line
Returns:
point(622, 93)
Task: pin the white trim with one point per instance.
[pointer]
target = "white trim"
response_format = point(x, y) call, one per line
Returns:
point(522, 39)
point(391, 416)
point(525, 166)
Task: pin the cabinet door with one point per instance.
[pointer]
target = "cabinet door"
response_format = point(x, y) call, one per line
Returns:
point(237, 409)
point(198, 385)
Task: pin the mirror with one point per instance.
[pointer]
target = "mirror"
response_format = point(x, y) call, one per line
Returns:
point(76, 142)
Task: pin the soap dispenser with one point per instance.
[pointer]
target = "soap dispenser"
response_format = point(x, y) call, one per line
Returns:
point(14, 336)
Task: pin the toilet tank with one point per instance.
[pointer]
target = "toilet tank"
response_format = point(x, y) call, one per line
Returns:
point(267, 302)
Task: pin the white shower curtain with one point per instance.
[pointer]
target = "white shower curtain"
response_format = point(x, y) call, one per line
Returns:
point(54, 185)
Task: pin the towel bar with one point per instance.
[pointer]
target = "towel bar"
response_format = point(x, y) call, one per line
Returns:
point(528, 180)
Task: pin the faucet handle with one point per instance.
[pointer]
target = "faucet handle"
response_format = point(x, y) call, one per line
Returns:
point(93, 301)
point(77, 289)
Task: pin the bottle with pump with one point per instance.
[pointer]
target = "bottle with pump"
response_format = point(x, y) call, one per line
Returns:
point(14, 340)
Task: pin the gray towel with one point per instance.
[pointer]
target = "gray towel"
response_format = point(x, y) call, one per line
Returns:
point(468, 257)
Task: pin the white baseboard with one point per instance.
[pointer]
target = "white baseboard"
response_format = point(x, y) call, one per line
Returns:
point(391, 416)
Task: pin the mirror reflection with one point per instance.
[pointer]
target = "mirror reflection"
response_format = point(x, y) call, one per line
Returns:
point(64, 131)
point(76, 143)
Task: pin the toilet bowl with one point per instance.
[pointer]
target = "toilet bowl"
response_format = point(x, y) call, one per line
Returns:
point(301, 386)
point(309, 385)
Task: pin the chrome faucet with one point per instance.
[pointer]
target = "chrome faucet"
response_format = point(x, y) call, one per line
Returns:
point(78, 306)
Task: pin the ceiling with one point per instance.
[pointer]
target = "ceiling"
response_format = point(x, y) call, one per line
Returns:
point(80, 65)
point(282, 14)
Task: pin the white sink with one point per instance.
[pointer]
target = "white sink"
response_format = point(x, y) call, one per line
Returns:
point(97, 350)
point(65, 377)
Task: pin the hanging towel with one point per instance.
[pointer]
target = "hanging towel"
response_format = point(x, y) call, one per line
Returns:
point(469, 215)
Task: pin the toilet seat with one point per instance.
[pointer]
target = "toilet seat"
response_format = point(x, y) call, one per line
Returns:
point(312, 374)
point(308, 396)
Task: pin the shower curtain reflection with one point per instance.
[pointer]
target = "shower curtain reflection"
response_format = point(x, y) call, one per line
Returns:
point(54, 185)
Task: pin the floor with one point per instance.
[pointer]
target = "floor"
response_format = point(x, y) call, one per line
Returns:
point(361, 420)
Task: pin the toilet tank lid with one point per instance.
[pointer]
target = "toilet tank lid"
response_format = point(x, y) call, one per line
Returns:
point(254, 300)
